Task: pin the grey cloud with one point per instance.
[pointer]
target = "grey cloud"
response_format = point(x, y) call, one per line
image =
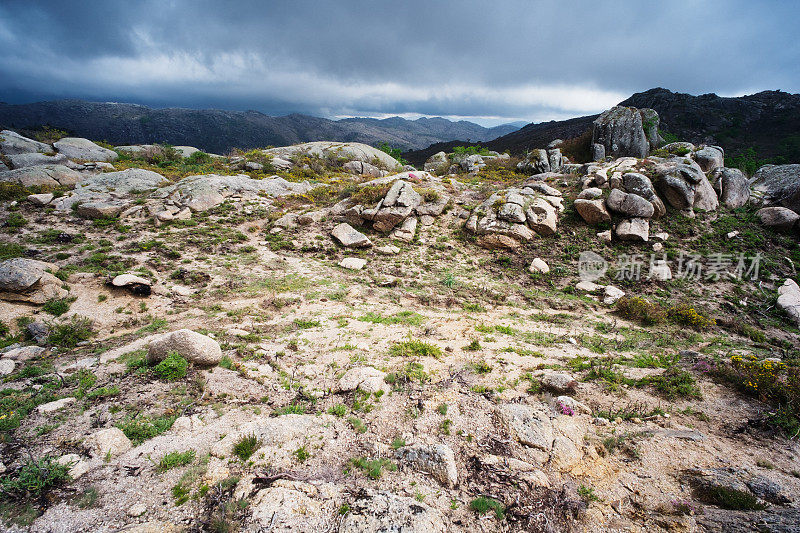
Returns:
point(509, 59)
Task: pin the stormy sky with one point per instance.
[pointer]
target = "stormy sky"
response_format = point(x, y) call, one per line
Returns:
point(489, 62)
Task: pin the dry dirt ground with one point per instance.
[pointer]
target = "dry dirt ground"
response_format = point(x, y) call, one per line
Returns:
point(480, 333)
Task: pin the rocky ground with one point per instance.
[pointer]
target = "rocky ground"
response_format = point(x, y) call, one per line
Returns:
point(314, 338)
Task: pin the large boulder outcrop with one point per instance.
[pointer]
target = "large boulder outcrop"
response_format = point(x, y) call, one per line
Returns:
point(438, 163)
point(539, 161)
point(789, 299)
point(684, 185)
point(779, 218)
point(592, 210)
point(111, 186)
point(78, 148)
point(401, 205)
point(732, 187)
point(629, 204)
point(639, 184)
point(351, 151)
point(621, 131)
point(203, 192)
point(710, 158)
point(778, 185)
point(44, 176)
point(12, 143)
point(36, 158)
point(361, 168)
point(30, 281)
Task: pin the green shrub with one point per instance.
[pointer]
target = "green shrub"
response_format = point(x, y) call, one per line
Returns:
point(139, 430)
point(246, 446)
point(176, 459)
point(636, 308)
point(15, 220)
point(57, 307)
point(471, 150)
point(198, 158)
point(730, 498)
point(373, 467)
point(676, 383)
point(34, 478)
point(483, 505)
point(394, 152)
point(172, 368)
point(416, 348)
point(69, 334)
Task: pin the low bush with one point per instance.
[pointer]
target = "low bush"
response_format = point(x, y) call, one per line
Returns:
point(34, 478)
point(246, 446)
point(172, 368)
point(70, 334)
point(483, 505)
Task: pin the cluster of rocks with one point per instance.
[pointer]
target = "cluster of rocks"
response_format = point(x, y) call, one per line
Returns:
point(398, 213)
point(453, 163)
point(540, 161)
point(637, 190)
point(336, 152)
point(513, 216)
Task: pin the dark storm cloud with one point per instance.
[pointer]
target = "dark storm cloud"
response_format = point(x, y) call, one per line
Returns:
point(508, 59)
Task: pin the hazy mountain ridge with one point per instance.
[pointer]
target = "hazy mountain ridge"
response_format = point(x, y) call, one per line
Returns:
point(768, 121)
point(218, 130)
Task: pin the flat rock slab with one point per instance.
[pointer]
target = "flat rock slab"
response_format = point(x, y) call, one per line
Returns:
point(55, 406)
point(79, 148)
point(353, 263)
point(349, 237)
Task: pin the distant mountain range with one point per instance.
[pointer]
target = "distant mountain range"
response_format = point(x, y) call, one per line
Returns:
point(768, 122)
point(218, 131)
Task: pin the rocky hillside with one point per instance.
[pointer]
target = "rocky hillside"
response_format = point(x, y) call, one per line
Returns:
point(767, 122)
point(219, 131)
point(316, 338)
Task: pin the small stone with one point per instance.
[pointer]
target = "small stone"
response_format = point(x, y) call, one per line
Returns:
point(660, 271)
point(195, 347)
point(110, 441)
point(588, 286)
point(180, 290)
point(55, 406)
point(657, 247)
point(612, 294)
point(40, 199)
point(353, 263)
point(389, 249)
point(365, 378)
point(137, 509)
point(604, 236)
point(538, 266)
point(6, 366)
point(77, 466)
point(436, 459)
point(661, 237)
point(732, 235)
point(560, 382)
